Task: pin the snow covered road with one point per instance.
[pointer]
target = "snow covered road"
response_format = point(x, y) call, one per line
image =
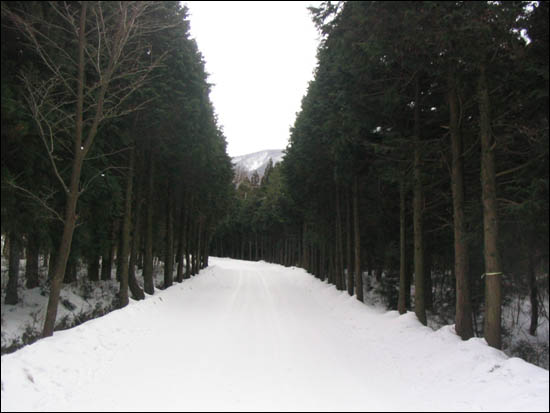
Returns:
point(255, 336)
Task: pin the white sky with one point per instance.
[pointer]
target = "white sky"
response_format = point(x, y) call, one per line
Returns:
point(260, 57)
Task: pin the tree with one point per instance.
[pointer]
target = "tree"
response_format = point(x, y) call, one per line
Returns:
point(89, 81)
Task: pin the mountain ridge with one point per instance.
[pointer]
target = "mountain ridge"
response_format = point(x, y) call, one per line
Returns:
point(256, 161)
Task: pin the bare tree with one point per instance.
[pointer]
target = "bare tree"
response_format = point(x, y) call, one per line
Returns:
point(94, 57)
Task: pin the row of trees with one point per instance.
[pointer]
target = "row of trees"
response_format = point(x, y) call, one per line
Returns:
point(261, 224)
point(421, 149)
point(110, 145)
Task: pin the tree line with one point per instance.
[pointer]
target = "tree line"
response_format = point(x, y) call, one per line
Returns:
point(420, 155)
point(112, 156)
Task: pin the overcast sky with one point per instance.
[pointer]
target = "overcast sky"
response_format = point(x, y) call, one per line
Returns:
point(260, 57)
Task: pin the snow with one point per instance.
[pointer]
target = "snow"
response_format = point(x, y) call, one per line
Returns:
point(258, 161)
point(80, 300)
point(254, 337)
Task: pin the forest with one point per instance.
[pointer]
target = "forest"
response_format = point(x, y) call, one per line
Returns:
point(111, 152)
point(417, 164)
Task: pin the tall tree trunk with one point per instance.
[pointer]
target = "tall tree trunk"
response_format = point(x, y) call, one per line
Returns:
point(419, 297)
point(31, 271)
point(93, 266)
point(63, 250)
point(169, 249)
point(493, 269)
point(126, 228)
point(402, 300)
point(51, 264)
point(322, 262)
point(198, 247)
point(349, 261)
point(6, 250)
point(80, 150)
point(148, 283)
point(357, 243)
point(71, 270)
point(463, 318)
point(107, 257)
point(533, 293)
point(339, 253)
point(181, 244)
point(135, 289)
point(428, 286)
point(187, 245)
point(12, 297)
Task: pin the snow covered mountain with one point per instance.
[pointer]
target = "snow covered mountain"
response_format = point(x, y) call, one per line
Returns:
point(257, 161)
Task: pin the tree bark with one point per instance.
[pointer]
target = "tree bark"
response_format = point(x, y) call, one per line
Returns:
point(428, 286)
point(357, 243)
point(188, 234)
point(349, 261)
point(126, 228)
point(148, 284)
point(12, 297)
point(93, 267)
point(493, 268)
point(72, 192)
point(463, 318)
point(107, 257)
point(533, 294)
point(63, 252)
point(339, 253)
point(135, 289)
point(402, 300)
point(419, 302)
point(31, 271)
point(181, 242)
point(169, 248)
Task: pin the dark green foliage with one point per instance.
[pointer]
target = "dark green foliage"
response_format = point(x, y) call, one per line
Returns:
point(167, 120)
point(360, 119)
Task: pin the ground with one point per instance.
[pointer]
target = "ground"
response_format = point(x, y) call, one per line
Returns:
point(256, 336)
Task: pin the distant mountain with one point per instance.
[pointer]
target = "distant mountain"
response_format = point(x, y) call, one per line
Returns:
point(256, 161)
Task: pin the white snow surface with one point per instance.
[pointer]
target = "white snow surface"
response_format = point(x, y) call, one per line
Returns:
point(245, 336)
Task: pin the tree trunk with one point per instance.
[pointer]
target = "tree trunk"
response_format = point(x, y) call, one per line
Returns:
point(63, 251)
point(12, 297)
point(198, 249)
point(533, 294)
point(493, 269)
point(135, 289)
point(187, 246)
point(93, 267)
point(72, 192)
point(357, 243)
point(322, 262)
point(51, 264)
point(126, 228)
point(463, 318)
point(71, 270)
point(419, 302)
point(6, 250)
point(148, 283)
point(181, 243)
point(402, 300)
point(31, 272)
point(107, 261)
point(428, 286)
point(349, 261)
point(169, 249)
point(339, 253)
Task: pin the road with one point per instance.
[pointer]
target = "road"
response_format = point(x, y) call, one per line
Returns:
point(245, 336)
